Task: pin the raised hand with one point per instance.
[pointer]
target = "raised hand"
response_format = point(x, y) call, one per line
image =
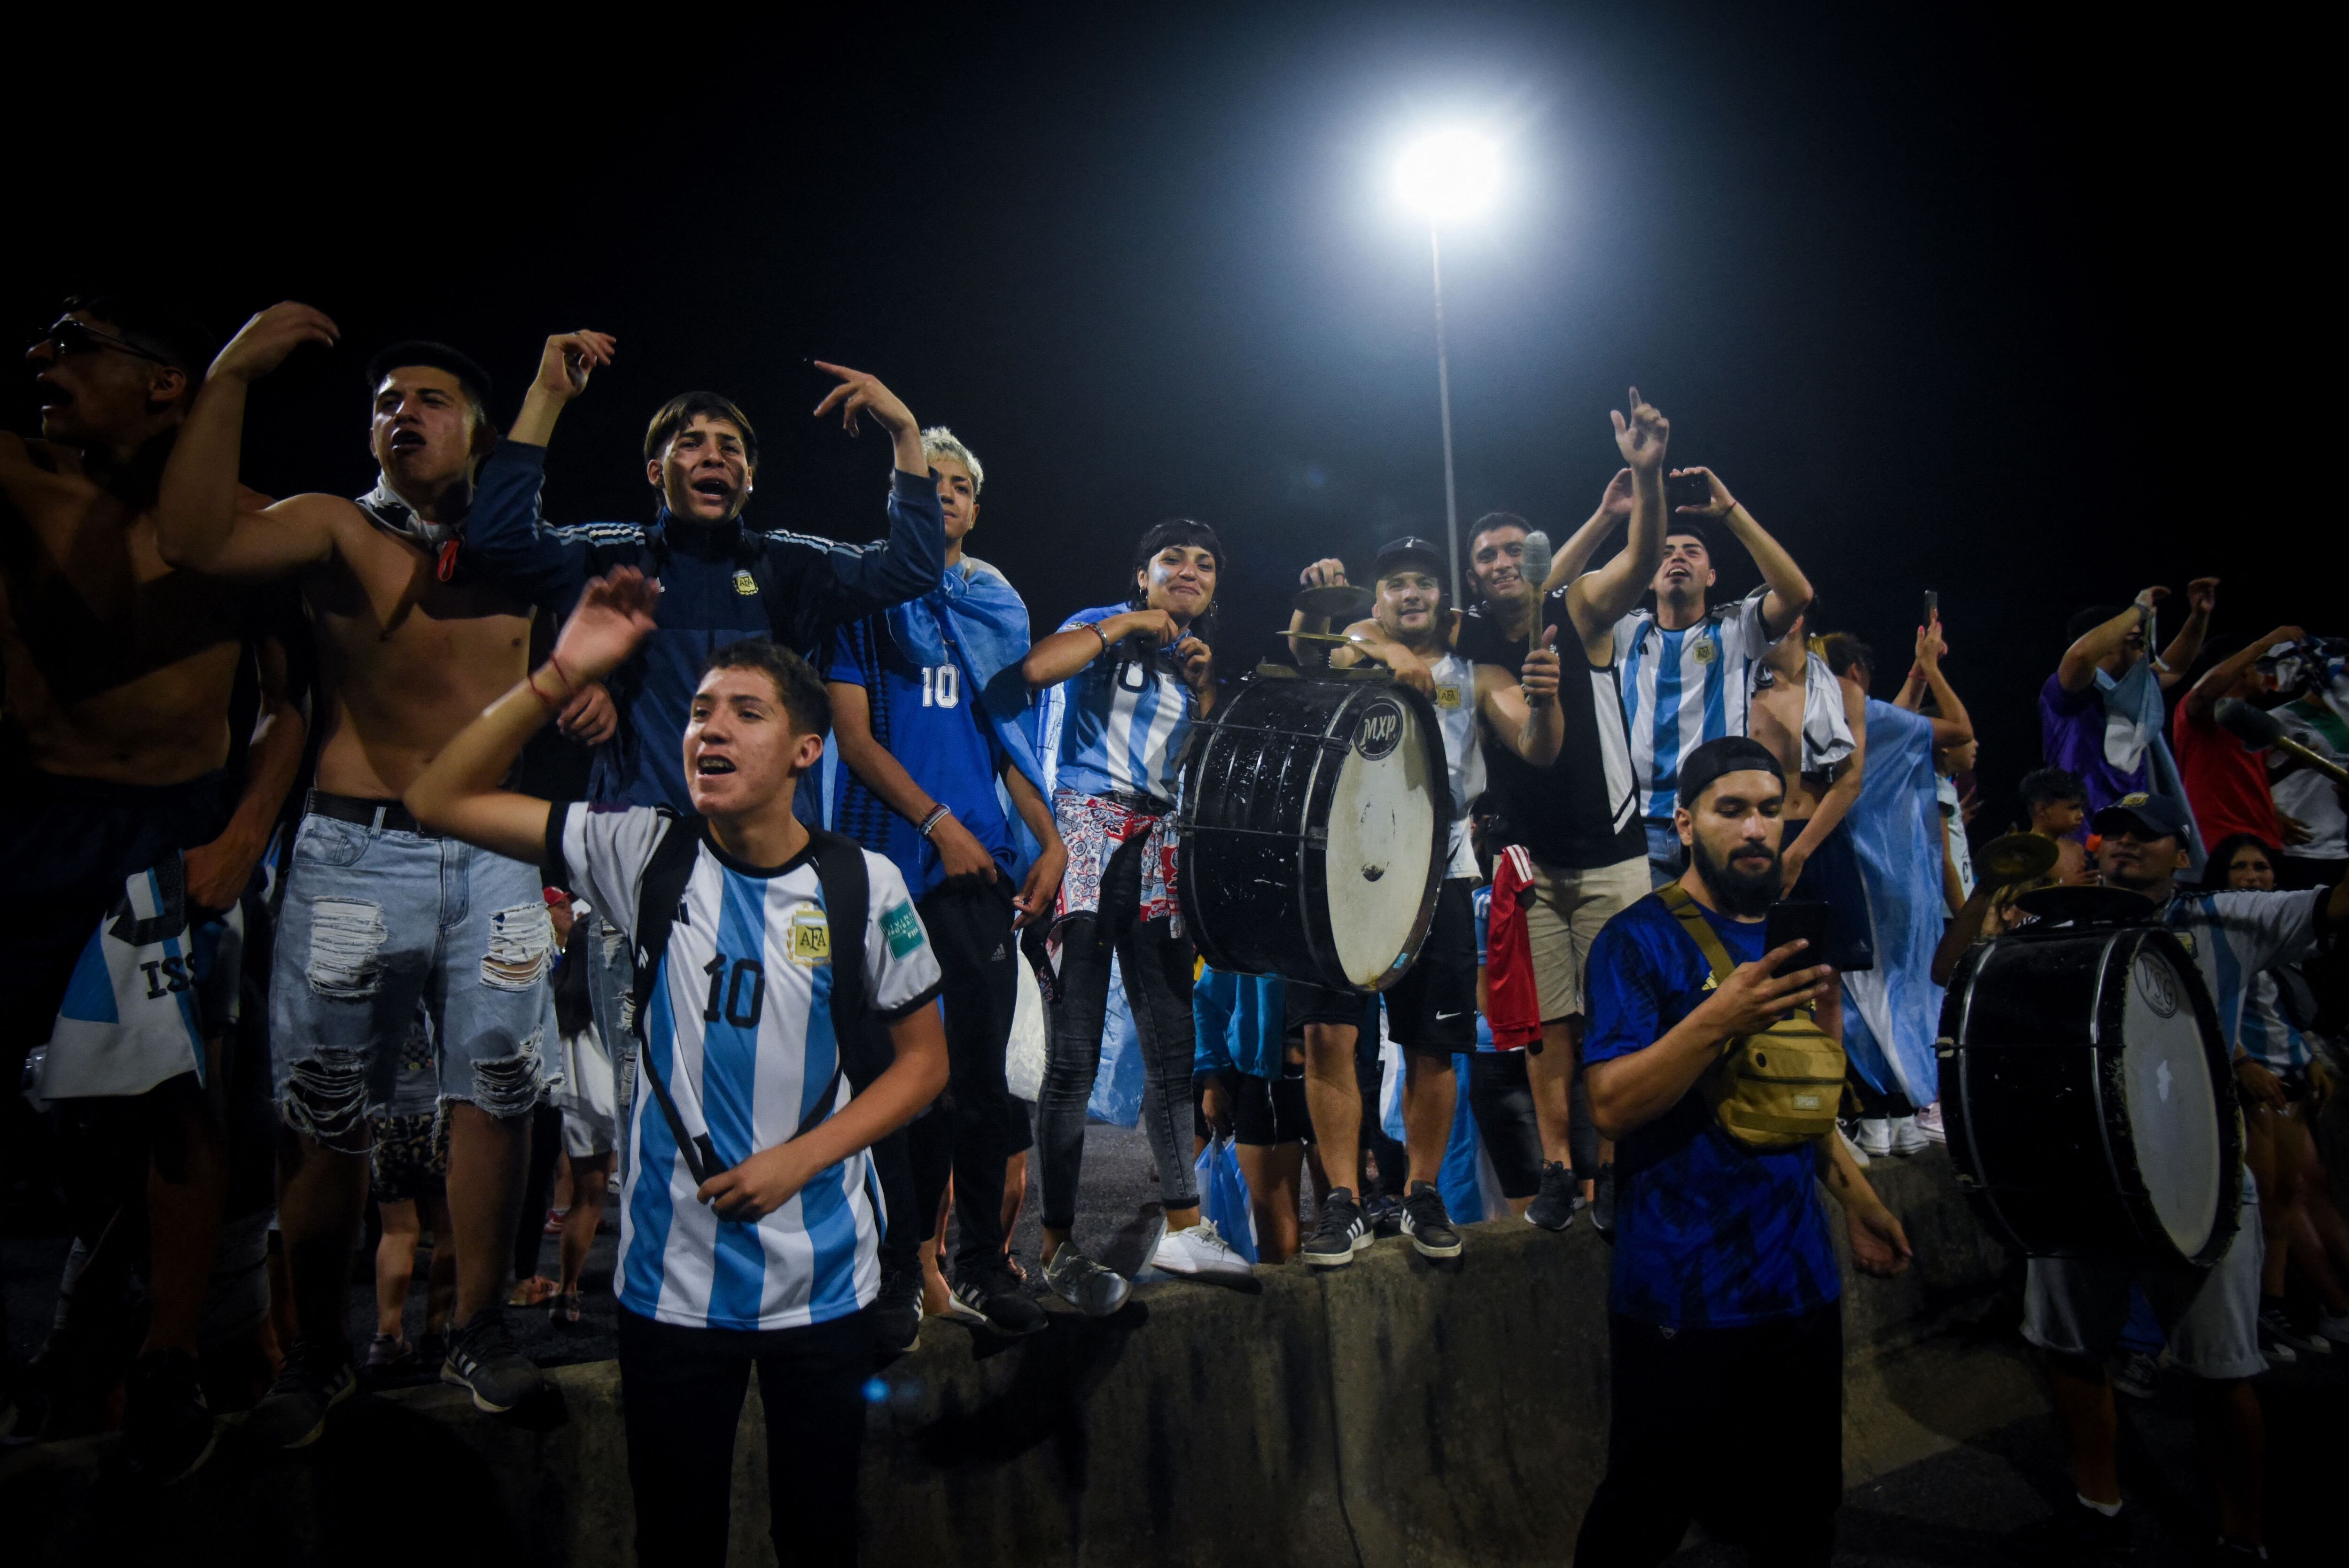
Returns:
point(613, 616)
point(1539, 677)
point(859, 393)
point(569, 358)
point(1617, 500)
point(2201, 596)
point(1931, 645)
point(1328, 573)
point(1641, 437)
point(262, 344)
point(2151, 598)
point(1722, 504)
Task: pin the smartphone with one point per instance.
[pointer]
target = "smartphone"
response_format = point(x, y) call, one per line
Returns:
point(1794, 919)
point(1933, 607)
point(1686, 489)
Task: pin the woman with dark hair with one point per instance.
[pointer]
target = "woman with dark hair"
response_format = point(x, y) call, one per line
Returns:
point(2283, 1084)
point(1125, 685)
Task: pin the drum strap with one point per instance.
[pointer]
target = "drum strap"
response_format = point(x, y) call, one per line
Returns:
point(1773, 1090)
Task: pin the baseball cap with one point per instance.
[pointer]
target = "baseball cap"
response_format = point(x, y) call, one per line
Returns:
point(2153, 816)
point(1409, 550)
point(1730, 754)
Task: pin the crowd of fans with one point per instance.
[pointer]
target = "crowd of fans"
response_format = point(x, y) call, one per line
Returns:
point(285, 947)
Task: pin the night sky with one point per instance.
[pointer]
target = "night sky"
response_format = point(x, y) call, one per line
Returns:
point(1961, 302)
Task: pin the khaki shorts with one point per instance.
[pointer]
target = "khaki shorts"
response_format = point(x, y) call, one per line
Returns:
point(1563, 919)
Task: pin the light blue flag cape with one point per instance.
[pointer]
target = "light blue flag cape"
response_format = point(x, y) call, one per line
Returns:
point(1892, 1012)
point(2135, 701)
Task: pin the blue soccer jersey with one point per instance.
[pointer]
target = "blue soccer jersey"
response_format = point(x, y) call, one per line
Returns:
point(1684, 689)
point(928, 717)
point(1708, 1234)
point(1480, 899)
point(1119, 724)
point(740, 1030)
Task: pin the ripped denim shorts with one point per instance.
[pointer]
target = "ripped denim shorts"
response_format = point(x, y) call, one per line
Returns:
point(379, 922)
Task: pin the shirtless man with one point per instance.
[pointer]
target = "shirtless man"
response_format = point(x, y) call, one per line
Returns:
point(120, 675)
point(413, 645)
point(1816, 727)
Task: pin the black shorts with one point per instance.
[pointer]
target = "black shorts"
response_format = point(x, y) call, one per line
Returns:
point(1432, 1008)
point(1266, 1112)
point(1019, 1126)
point(1310, 1003)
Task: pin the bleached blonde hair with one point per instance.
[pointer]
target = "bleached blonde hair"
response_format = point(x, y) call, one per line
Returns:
point(937, 441)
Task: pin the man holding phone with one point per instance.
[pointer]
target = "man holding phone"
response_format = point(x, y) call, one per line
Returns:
point(1725, 1303)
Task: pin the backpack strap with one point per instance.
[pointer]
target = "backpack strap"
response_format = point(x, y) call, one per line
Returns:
point(1691, 918)
point(659, 893)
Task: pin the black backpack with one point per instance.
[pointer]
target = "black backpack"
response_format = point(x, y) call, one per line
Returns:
point(864, 1053)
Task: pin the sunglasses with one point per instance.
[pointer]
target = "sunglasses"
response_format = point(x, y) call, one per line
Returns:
point(70, 337)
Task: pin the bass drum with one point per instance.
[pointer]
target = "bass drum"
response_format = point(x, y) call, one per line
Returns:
point(1316, 816)
point(2088, 1095)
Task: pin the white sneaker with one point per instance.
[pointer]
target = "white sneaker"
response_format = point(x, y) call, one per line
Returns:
point(1928, 1123)
point(1859, 1155)
point(1875, 1135)
point(1907, 1137)
point(1199, 1252)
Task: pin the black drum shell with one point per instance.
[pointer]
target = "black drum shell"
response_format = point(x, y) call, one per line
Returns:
point(1250, 867)
point(2033, 1100)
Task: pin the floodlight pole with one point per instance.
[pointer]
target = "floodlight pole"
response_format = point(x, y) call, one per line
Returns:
point(1443, 397)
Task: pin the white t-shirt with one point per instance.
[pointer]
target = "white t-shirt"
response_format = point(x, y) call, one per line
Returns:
point(739, 1028)
point(2301, 791)
point(2233, 935)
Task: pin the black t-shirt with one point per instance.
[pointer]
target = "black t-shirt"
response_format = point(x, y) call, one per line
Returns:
point(1583, 810)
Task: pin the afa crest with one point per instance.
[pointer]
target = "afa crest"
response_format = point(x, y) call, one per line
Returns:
point(746, 584)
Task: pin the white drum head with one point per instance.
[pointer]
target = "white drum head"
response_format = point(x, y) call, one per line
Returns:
point(2173, 1114)
point(1381, 839)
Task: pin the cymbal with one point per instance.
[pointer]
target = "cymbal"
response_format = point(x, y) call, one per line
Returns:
point(2016, 857)
point(1331, 637)
point(2088, 905)
point(1339, 601)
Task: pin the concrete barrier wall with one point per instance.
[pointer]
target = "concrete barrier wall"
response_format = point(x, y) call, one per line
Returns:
point(1397, 1412)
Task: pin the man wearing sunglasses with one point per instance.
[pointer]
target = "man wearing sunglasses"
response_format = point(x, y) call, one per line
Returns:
point(134, 779)
point(380, 915)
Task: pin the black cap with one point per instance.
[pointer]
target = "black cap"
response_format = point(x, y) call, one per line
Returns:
point(2153, 816)
point(1397, 553)
point(1730, 754)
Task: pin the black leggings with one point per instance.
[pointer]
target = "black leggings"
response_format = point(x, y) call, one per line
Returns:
point(680, 1402)
point(1156, 965)
point(962, 1137)
point(1503, 1100)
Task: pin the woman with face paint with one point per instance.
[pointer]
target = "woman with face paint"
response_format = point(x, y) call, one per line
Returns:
point(1123, 684)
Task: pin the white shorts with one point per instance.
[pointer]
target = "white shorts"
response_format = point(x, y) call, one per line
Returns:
point(2076, 1306)
point(586, 1097)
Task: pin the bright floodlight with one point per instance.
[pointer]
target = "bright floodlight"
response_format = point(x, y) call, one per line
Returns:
point(1451, 174)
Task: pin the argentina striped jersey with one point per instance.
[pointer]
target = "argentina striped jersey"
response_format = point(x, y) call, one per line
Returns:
point(1684, 689)
point(740, 1030)
point(2234, 936)
point(1117, 726)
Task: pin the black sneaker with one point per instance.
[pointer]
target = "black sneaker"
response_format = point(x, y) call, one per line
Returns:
point(1382, 1212)
point(1427, 1223)
point(2077, 1535)
point(168, 1431)
point(314, 1380)
point(1602, 1200)
point(989, 1297)
point(1340, 1233)
point(896, 1312)
point(1553, 1207)
point(483, 1360)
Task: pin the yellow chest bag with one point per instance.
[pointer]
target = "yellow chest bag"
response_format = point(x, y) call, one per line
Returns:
point(1776, 1089)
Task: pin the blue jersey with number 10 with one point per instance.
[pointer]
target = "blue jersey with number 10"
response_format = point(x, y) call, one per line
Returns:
point(1119, 724)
